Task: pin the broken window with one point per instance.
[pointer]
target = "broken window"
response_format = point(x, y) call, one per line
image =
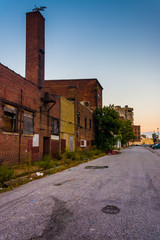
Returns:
point(10, 118)
point(27, 122)
point(55, 126)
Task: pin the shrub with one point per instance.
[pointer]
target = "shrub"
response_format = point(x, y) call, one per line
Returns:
point(69, 155)
point(46, 162)
point(5, 174)
point(81, 155)
point(97, 152)
point(77, 156)
point(89, 153)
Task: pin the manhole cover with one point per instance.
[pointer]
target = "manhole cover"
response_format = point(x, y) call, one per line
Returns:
point(96, 167)
point(111, 209)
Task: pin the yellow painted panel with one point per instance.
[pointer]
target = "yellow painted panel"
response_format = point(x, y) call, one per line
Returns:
point(67, 116)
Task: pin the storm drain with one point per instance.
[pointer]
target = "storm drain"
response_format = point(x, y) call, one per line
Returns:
point(96, 167)
point(111, 209)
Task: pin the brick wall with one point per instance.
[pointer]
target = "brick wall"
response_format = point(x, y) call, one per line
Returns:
point(84, 133)
point(16, 144)
point(137, 132)
point(83, 89)
point(78, 91)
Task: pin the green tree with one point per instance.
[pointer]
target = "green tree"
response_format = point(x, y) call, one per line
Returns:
point(107, 127)
point(126, 131)
point(155, 138)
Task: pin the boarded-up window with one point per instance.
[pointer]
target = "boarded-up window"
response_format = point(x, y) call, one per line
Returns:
point(27, 122)
point(55, 126)
point(10, 118)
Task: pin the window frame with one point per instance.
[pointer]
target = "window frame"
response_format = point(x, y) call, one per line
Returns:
point(28, 113)
point(52, 130)
point(10, 110)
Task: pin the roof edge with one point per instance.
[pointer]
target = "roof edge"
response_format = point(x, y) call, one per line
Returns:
point(75, 79)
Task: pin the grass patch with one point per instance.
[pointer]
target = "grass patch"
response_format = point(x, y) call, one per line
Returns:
point(47, 165)
point(5, 174)
point(23, 170)
point(81, 155)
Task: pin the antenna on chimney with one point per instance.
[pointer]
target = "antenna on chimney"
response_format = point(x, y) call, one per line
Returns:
point(41, 8)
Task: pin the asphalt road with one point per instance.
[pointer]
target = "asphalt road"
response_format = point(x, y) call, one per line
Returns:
point(68, 205)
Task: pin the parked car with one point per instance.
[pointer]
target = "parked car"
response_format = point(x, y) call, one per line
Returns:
point(151, 145)
point(156, 146)
point(144, 145)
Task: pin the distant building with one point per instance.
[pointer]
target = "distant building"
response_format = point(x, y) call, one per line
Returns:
point(137, 132)
point(125, 113)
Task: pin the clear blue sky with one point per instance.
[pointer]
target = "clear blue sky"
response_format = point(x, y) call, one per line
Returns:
point(116, 41)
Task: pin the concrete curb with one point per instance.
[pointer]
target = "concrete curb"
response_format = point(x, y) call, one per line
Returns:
point(32, 176)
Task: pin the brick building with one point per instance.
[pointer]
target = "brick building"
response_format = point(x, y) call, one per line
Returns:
point(84, 126)
point(137, 132)
point(31, 109)
point(86, 94)
point(29, 117)
point(86, 91)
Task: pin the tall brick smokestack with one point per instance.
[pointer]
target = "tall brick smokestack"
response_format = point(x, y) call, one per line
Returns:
point(35, 47)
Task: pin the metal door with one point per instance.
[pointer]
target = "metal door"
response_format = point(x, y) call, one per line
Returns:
point(71, 143)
